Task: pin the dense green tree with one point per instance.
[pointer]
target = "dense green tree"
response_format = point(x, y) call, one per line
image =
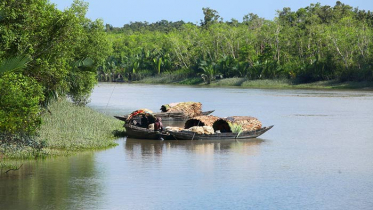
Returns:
point(19, 105)
point(52, 38)
point(45, 53)
point(211, 16)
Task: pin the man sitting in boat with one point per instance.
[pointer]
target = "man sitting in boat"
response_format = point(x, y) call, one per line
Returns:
point(158, 127)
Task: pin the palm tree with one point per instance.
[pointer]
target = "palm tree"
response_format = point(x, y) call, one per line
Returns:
point(14, 64)
point(209, 69)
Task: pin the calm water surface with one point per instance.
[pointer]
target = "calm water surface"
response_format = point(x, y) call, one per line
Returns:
point(319, 155)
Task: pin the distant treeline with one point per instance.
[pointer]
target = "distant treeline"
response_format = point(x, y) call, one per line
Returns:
point(311, 44)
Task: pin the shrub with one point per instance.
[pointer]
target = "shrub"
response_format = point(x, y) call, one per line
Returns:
point(20, 97)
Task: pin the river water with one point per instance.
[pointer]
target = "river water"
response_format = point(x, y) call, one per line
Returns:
point(318, 155)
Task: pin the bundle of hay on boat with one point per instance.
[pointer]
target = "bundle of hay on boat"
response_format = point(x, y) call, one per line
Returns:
point(237, 124)
point(201, 124)
point(202, 130)
point(174, 129)
point(205, 120)
point(189, 109)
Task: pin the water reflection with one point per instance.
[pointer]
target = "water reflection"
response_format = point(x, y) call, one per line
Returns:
point(135, 147)
point(63, 182)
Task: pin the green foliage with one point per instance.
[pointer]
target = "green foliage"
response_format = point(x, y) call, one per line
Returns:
point(53, 39)
point(81, 81)
point(14, 64)
point(74, 128)
point(209, 71)
point(311, 44)
point(210, 17)
point(69, 129)
point(45, 53)
point(19, 104)
point(236, 128)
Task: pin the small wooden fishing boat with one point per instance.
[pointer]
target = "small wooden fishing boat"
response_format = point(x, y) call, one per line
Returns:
point(137, 128)
point(190, 135)
point(197, 128)
point(215, 128)
point(145, 133)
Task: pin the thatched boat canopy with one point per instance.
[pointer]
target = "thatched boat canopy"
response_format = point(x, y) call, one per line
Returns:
point(205, 120)
point(247, 123)
point(142, 112)
point(222, 125)
point(228, 124)
point(190, 109)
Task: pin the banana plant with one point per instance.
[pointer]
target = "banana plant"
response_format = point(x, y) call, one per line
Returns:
point(209, 69)
point(158, 63)
point(135, 66)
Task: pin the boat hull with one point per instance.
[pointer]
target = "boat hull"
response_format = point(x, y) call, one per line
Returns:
point(144, 133)
point(189, 135)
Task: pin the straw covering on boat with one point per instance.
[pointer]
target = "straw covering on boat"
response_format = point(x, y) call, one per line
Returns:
point(204, 120)
point(190, 109)
point(145, 112)
point(247, 123)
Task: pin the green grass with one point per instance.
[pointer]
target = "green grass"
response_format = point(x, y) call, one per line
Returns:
point(165, 78)
point(161, 79)
point(66, 130)
point(228, 82)
point(191, 81)
point(74, 128)
point(266, 83)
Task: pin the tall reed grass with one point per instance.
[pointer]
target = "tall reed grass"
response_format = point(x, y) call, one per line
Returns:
point(66, 129)
point(74, 128)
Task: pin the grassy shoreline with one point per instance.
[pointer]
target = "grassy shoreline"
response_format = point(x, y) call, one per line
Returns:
point(259, 84)
point(67, 129)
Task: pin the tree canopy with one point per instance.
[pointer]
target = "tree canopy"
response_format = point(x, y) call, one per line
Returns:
point(311, 44)
point(46, 53)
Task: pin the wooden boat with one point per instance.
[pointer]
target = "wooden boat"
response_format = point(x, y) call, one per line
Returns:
point(145, 133)
point(134, 128)
point(189, 135)
point(215, 128)
point(221, 128)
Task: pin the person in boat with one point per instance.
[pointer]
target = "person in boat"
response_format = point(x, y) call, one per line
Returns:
point(158, 127)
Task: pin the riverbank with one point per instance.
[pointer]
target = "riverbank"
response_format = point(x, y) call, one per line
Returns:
point(261, 84)
point(66, 129)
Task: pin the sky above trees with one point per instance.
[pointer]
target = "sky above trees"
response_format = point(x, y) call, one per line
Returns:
point(120, 12)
